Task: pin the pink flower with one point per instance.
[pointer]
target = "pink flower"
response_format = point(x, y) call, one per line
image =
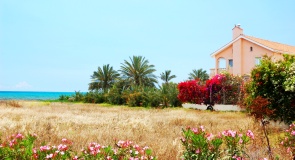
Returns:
point(288, 149)
point(12, 143)
point(44, 148)
point(34, 150)
point(19, 136)
point(250, 134)
point(240, 141)
point(237, 158)
point(232, 133)
point(62, 147)
point(49, 156)
point(198, 151)
point(195, 130)
point(202, 128)
point(210, 136)
point(293, 133)
point(75, 158)
point(145, 148)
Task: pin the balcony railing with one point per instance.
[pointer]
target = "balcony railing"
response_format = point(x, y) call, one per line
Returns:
point(220, 70)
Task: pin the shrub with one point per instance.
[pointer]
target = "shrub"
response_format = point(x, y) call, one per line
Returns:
point(226, 145)
point(272, 80)
point(114, 96)
point(191, 91)
point(94, 97)
point(154, 98)
point(289, 140)
point(169, 93)
point(220, 89)
point(20, 147)
point(137, 99)
point(78, 96)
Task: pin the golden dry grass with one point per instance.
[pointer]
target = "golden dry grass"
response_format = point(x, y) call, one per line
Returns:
point(160, 129)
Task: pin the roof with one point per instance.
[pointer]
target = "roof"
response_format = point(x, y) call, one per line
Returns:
point(282, 48)
point(270, 45)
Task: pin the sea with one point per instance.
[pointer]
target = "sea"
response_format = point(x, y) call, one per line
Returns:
point(32, 95)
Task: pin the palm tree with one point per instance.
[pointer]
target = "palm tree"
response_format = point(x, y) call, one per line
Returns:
point(103, 78)
point(199, 74)
point(166, 77)
point(138, 71)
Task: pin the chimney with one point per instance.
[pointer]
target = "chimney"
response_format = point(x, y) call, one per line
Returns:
point(237, 31)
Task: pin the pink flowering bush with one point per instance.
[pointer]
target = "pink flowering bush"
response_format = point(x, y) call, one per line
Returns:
point(289, 140)
point(18, 146)
point(124, 150)
point(228, 144)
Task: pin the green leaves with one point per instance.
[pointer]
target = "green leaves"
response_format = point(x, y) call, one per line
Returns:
point(275, 81)
point(199, 74)
point(103, 78)
point(138, 71)
point(199, 144)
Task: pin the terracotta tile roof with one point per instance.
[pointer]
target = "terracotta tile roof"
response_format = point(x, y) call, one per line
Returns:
point(282, 48)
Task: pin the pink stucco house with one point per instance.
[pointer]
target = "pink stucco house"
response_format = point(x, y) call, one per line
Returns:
point(240, 55)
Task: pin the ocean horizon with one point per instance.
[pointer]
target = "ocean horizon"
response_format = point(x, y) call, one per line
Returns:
point(32, 95)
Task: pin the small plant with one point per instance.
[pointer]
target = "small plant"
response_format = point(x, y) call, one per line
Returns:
point(226, 145)
point(289, 140)
point(123, 150)
point(18, 146)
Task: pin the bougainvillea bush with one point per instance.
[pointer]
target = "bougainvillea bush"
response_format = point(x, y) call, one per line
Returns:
point(18, 146)
point(220, 89)
point(275, 82)
point(191, 91)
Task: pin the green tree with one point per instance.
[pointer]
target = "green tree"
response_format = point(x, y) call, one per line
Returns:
point(199, 74)
point(274, 81)
point(166, 77)
point(138, 71)
point(103, 78)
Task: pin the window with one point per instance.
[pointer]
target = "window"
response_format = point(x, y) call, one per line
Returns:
point(257, 60)
point(251, 49)
point(230, 62)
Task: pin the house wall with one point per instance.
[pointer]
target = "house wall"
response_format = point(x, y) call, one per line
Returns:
point(248, 56)
point(243, 57)
point(226, 54)
point(237, 57)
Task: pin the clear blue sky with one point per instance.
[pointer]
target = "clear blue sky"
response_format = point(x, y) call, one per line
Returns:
point(55, 45)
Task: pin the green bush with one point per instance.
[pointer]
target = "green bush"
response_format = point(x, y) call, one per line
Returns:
point(154, 98)
point(78, 96)
point(94, 97)
point(114, 96)
point(275, 82)
point(229, 144)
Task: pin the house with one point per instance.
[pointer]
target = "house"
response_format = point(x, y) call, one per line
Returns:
point(239, 56)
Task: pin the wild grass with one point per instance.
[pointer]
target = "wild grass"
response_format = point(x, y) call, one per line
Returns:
point(160, 129)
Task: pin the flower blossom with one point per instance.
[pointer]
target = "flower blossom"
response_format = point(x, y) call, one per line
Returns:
point(250, 134)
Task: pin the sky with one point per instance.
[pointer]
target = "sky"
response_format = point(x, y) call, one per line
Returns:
point(56, 45)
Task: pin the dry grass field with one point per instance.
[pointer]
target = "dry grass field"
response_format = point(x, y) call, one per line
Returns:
point(160, 129)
